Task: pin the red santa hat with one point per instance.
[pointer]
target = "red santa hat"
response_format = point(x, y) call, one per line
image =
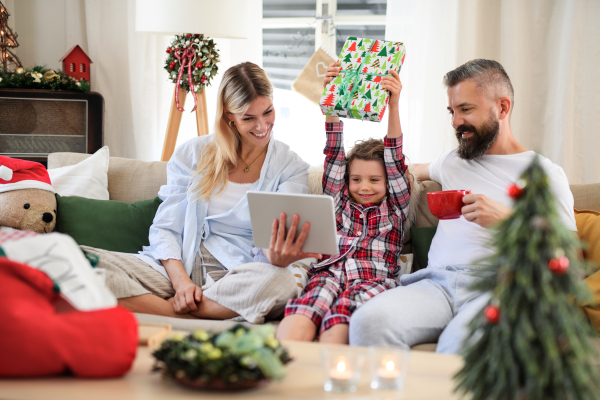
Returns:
point(18, 174)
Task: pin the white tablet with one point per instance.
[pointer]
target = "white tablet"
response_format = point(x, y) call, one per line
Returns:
point(316, 209)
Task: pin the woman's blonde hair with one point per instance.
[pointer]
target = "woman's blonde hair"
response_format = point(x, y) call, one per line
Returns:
point(241, 85)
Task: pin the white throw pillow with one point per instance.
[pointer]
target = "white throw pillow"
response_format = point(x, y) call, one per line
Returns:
point(87, 179)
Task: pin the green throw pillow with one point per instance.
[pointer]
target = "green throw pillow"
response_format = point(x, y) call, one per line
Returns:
point(421, 241)
point(106, 224)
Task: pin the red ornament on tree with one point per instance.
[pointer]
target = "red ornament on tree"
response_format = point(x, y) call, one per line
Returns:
point(492, 314)
point(559, 265)
point(516, 190)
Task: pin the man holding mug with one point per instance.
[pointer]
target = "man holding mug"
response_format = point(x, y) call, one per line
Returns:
point(435, 303)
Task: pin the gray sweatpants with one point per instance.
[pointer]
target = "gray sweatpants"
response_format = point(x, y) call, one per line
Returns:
point(431, 305)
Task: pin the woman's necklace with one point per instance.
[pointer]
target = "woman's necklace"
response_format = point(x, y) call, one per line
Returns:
point(248, 165)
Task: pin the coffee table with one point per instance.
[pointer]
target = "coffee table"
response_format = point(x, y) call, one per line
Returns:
point(429, 378)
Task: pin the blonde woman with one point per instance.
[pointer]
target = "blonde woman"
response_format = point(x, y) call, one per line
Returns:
point(200, 262)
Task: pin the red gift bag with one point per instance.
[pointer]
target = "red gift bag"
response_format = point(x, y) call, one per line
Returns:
point(36, 340)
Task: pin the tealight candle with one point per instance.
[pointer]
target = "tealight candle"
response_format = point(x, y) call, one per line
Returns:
point(388, 368)
point(342, 369)
point(389, 371)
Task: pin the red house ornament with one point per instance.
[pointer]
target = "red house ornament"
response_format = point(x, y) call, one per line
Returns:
point(76, 63)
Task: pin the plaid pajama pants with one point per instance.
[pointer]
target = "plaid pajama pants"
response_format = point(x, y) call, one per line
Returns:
point(329, 298)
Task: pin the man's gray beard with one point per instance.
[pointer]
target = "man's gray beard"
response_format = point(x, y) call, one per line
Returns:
point(482, 139)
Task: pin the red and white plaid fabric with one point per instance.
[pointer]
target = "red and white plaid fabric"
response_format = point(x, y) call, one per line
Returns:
point(369, 237)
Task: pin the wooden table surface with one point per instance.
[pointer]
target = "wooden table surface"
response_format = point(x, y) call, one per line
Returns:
point(429, 377)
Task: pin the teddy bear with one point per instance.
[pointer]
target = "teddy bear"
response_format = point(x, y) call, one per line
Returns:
point(27, 199)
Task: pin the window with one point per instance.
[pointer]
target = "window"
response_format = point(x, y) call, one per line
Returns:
point(81, 67)
point(72, 67)
point(292, 32)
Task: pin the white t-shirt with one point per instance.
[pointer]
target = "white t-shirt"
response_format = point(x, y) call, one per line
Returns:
point(228, 198)
point(460, 242)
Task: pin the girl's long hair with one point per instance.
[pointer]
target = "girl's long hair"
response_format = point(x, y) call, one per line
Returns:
point(241, 85)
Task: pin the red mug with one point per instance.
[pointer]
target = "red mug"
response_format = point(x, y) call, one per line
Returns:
point(447, 203)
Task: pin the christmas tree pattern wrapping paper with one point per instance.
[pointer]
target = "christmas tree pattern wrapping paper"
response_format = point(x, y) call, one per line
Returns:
point(357, 92)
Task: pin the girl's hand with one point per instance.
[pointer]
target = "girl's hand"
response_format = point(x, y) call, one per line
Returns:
point(332, 71)
point(186, 298)
point(286, 248)
point(393, 85)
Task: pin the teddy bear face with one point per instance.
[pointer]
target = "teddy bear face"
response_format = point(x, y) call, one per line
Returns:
point(28, 209)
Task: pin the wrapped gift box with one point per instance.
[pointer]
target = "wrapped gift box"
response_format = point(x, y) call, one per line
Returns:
point(357, 92)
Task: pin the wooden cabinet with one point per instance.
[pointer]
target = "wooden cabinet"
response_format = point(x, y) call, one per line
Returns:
point(35, 123)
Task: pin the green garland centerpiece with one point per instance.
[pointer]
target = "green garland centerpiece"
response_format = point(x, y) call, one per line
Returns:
point(191, 63)
point(239, 358)
point(40, 77)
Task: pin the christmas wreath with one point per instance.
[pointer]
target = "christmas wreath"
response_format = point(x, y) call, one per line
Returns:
point(238, 358)
point(41, 78)
point(191, 62)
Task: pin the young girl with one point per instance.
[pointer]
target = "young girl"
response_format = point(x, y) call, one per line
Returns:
point(371, 191)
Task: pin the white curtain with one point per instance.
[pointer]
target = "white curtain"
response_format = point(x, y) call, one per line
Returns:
point(550, 50)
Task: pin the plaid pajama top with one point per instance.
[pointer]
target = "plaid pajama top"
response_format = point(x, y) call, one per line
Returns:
point(369, 235)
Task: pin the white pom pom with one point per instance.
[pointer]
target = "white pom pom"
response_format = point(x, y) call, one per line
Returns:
point(5, 173)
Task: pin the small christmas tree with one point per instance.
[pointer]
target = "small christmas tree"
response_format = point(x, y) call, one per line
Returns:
point(532, 341)
point(8, 40)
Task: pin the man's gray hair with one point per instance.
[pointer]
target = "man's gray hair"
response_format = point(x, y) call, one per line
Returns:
point(489, 75)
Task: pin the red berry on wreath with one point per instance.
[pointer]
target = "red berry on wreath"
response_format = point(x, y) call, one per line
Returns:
point(199, 65)
point(492, 314)
point(203, 78)
point(559, 265)
point(188, 35)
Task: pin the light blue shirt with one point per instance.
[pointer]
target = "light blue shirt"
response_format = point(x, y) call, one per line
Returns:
point(181, 222)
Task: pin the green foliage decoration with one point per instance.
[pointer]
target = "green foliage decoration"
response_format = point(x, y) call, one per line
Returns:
point(40, 77)
point(204, 62)
point(231, 357)
point(540, 347)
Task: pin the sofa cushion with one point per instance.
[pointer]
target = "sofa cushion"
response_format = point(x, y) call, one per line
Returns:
point(421, 242)
point(424, 217)
point(588, 229)
point(106, 224)
point(128, 180)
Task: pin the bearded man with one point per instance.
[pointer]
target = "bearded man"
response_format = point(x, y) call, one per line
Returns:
point(435, 303)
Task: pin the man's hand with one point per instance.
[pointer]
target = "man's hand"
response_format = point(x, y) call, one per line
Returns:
point(186, 297)
point(483, 211)
point(393, 85)
point(285, 249)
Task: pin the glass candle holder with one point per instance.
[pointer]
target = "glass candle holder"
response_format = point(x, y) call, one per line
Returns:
point(341, 367)
point(388, 368)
